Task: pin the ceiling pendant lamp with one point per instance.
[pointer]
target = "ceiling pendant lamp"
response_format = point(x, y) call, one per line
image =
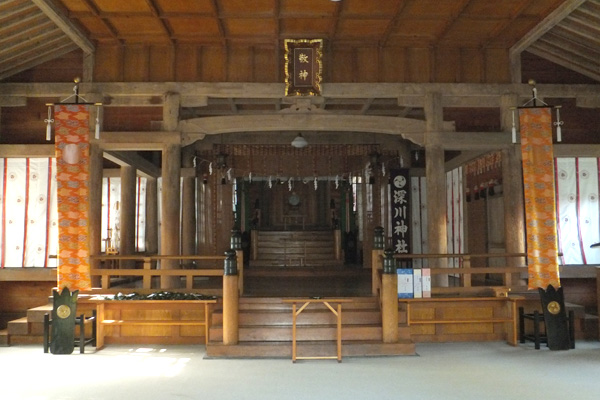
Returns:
point(299, 142)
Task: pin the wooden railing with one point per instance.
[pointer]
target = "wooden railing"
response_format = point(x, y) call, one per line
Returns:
point(463, 284)
point(110, 268)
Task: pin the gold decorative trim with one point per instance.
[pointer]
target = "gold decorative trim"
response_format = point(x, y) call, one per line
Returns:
point(313, 88)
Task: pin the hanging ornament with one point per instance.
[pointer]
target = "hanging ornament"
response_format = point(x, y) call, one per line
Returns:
point(49, 122)
point(97, 130)
point(558, 125)
point(337, 181)
point(229, 174)
point(383, 169)
point(250, 177)
point(316, 183)
point(210, 170)
point(290, 184)
point(514, 126)
point(270, 182)
point(401, 162)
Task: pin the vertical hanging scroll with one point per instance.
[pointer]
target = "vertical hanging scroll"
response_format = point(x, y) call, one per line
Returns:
point(303, 67)
point(538, 185)
point(400, 211)
point(72, 163)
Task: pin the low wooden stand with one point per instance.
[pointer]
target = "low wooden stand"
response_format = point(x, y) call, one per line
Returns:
point(163, 313)
point(462, 319)
point(337, 312)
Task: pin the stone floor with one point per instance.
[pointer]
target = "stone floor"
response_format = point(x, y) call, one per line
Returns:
point(461, 371)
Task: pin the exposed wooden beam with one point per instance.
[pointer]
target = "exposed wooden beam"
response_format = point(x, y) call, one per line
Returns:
point(12, 101)
point(538, 31)
point(143, 166)
point(138, 141)
point(27, 150)
point(276, 90)
point(65, 25)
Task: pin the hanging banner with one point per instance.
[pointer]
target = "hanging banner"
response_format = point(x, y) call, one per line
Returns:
point(72, 163)
point(400, 205)
point(538, 185)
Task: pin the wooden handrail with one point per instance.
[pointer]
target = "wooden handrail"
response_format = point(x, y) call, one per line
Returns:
point(148, 272)
point(465, 272)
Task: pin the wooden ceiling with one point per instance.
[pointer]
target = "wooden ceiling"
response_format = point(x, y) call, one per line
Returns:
point(565, 32)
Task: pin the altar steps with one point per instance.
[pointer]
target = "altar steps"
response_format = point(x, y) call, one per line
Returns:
point(295, 249)
point(265, 331)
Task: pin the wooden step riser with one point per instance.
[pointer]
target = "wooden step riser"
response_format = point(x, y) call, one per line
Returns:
point(4, 342)
point(294, 263)
point(306, 318)
point(284, 350)
point(287, 307)
point(305, 333)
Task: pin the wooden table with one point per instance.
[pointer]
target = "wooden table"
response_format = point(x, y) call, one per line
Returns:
point(337, 312)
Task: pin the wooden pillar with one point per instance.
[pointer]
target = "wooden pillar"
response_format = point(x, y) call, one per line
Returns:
point(239, 256)
point(188, 203)
point(171, 105)
point(127, 213)
point(337, 242)
point(436, 184)
point(95, 210)
point(169, 235)
point(389, 299)
point(512, 187)
point(230, 300)
point(151, 216)
point(375, 267)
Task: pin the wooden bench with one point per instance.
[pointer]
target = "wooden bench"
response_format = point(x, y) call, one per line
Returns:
point(151, 316)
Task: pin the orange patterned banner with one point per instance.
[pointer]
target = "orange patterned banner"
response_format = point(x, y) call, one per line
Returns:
point(72, 173)
point(540, 207)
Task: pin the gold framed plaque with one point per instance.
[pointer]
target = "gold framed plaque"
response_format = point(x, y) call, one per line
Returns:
point(303, 67)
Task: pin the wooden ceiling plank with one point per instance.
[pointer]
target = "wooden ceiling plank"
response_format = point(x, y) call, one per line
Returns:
point(584, 28)
point(568, 55)
point(402, 5)
point(65, 25)
point(35, 39)
point(10, 10)
point(579, 47)
point(103, 20)
point(163, 23)
point(220, 23)
point(31, 49)
point(573, 32)
point(555, 17)
point(26, 21)
point(560, 60)
point(38, 59)
point(450, 21)
point(576, 36)
point(500, 28)
point(335, 20)
point(31, 26)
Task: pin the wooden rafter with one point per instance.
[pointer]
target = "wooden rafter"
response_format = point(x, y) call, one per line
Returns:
point(65, 25)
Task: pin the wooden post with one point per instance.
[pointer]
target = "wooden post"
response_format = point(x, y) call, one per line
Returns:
point(239, 255)
point(376, 255)
point(436, 183)
point(95, 198)
point(127, 214)
point(171, 168)
point(389, 300)
point(188, 204)
point(230, 300)
point(151, 216)
point(337, 242)
point(254, 244)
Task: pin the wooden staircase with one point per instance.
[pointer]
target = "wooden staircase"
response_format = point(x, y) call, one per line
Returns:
point(265, 331)
point(295, 249)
